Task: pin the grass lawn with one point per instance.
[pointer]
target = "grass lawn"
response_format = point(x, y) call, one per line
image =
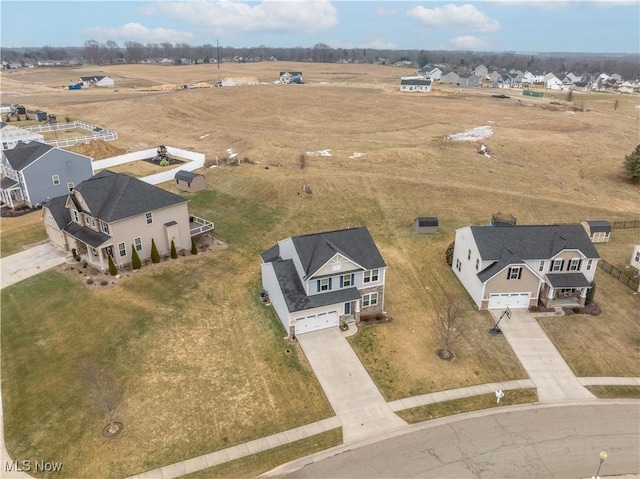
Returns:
point(457, 406)
point(17, 232)
point(617, 251)
point(605, 392)
point(201, 361)
point(604, 345)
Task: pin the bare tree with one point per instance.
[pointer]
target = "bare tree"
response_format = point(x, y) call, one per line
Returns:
point(450, 326)
point(106, 390)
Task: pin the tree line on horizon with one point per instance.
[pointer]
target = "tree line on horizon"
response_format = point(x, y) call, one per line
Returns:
point(96, 53)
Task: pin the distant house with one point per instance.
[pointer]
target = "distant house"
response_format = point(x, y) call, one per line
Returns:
point(98, 80)
point(320, 280)
point(110, 213)
point(552, 82)
point(599, 231)
point(635, 260)
point(469, 80)
point(451, 78)
point(430, 71)
point(415, 84)
point(426, 224)
point(291, 77)
point(503, 81)
point(34, 172)
point(11, 135)
point(189, 181)
point(533, 77)
point(519, 266)
point(481, 71)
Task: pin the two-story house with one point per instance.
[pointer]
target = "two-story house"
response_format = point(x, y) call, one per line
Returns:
point(319, 280)
point(35, 172)
point(110, 214)
point(519, 266)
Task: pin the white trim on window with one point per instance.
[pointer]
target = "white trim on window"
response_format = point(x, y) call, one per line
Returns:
point(70, 186)
point(122, 249)
point(76, 216)
point(369, 299)
point(137, 242)
point(371, 276)
point(541, 266)
point(55, 179)
point(148, 217)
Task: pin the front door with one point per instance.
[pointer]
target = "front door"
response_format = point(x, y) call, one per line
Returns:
point(347, 308)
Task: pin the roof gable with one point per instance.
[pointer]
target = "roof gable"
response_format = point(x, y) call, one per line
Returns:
point(115, 196)
point(26, 153)
point(355, 244)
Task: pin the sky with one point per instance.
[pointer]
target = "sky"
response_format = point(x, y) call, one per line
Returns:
point(523, 26)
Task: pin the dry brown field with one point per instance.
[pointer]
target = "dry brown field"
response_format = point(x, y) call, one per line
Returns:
point(548, 164)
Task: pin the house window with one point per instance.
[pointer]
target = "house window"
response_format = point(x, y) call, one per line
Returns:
point(137, 242)
point(514, 273)
point(477, 264)
point(371, 276)
point(105, 228)
point(148, 217)
point(469, 254)
point(370, 299)
point(89, 221)
point(458, 265)
point(346, 280)
point(70, 186)
point(636, 260)
point(574, 264)
point(557, 265)
point(589, 264)
point(324, 284)
point(55, 179)
point(541, 266)
point(122, 249)
point(76, 217)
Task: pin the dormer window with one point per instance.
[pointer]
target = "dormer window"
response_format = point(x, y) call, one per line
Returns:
point(514, 272)
point(574, 264)
point(324, 284)
point(76, 217)
point(557, 265)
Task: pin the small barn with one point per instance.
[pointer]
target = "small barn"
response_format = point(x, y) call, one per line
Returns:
point(426, 224)
point(189, 181)
point(291, 77)
point(599, 231)
point(413, 84)
point(98, 80)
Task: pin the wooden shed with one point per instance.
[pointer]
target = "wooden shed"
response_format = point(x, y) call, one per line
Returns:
point(426, 224)
point(188, 181)
point(599, 231)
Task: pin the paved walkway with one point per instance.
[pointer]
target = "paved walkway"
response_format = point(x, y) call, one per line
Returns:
point(30, 262)
point(355, 398)
point(545, 366)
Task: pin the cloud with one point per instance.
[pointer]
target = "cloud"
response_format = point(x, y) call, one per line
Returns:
point(376, 43)
point(139, 33)
point(384, 12)
point(455, 17)
point(467, 42)
point(227, 16)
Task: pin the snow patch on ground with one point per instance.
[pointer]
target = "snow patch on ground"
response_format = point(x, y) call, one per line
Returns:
point(320, 153)
point(357, 154)
point(474, 134)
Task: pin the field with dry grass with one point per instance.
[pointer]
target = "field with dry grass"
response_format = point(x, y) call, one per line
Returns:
point(201, 358)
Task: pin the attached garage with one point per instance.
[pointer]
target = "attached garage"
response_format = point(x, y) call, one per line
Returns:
point(513, 300)
point(316, 322)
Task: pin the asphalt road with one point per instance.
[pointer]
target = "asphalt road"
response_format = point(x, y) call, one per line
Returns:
point(546, 442)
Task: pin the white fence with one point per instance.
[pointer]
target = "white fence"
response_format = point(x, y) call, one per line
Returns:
point(98, 133)
point(195, 161)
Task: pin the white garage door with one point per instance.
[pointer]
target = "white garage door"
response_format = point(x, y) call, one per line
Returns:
point(316, 322)
point(513, 300)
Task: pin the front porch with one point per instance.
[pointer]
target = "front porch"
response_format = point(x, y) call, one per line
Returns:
point(564, 290)
point(11, 194)
point(198, 225)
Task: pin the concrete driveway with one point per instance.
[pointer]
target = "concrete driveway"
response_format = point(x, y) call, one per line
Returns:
point(355, 398)
point(545, 366)
point(29, 262)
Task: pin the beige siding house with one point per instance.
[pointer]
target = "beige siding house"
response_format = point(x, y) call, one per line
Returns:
point(521, 266)
point(110, 214)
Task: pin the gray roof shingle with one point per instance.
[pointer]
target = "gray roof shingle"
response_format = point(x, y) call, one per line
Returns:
point(115, 196)
point(314, 250)
point(25, 153)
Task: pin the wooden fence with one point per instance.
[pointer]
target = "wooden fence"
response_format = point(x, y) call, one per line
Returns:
point(630, 281)
point(618, 225)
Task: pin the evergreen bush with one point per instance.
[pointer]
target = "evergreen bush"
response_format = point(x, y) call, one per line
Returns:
point(135, 259)
point(155, 256)
point(194, 247)
point(112, 267)
point(174, 252)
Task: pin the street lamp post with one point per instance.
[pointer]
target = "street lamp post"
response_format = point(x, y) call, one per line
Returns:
point(603, 457)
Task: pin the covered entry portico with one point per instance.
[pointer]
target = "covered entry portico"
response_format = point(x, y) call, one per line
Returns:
point(92, 245)
point(564, 289)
